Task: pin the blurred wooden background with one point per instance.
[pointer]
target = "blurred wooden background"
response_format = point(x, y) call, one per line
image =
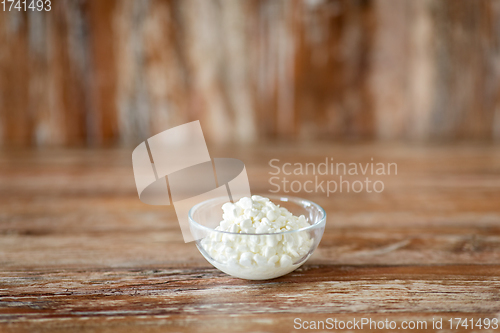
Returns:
point(104, 72)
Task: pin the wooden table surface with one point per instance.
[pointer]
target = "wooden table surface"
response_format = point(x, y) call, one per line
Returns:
point(80, 252)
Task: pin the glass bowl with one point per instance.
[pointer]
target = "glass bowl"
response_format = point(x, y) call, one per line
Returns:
point(218, 246)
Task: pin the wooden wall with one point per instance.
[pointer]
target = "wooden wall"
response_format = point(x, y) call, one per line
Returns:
point(103, 72)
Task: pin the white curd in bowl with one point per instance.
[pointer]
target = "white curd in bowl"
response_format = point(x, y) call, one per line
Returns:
point(257, 240)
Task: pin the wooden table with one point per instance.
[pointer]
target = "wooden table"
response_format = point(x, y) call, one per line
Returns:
point(80, 252)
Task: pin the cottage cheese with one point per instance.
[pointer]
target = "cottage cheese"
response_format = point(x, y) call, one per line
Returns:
point(257, 256)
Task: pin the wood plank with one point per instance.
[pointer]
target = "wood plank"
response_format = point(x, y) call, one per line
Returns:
point(101, 73)
point(80, 252)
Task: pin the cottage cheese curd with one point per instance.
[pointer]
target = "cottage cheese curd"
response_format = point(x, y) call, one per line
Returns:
point(257, 256)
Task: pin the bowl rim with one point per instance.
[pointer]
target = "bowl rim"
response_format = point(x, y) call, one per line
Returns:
point(281, 198)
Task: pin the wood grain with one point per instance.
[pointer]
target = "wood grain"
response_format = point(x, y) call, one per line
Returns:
point(80, 252)
point(108, 72)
